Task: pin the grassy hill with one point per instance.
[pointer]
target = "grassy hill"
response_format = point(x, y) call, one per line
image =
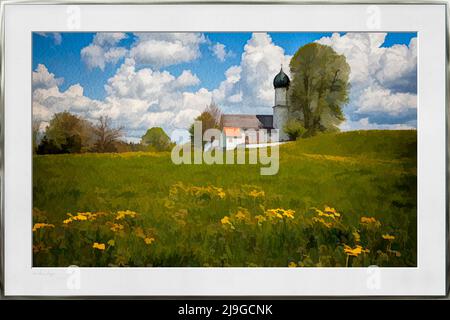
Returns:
point(220, 215)
point(377, 144)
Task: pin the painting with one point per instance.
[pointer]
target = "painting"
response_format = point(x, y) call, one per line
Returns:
point(224, 149)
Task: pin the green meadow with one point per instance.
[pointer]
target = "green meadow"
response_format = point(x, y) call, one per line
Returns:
point(339, 200)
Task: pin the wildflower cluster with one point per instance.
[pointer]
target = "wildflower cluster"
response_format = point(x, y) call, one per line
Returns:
point(83, 216)
point(274, 214)
point(370, 222)
point(147, 237)
point(256, 194)
point(197, 191)
point(123, 214)
point(38, 226)
point(213, 226)
point(93, 238)
point(326, 217)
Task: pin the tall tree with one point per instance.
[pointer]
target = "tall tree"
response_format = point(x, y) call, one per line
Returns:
point(320, 87)
point(67, 133)
point(157, 139)
point(105, 135)
point(210, 118)
point(215, 112)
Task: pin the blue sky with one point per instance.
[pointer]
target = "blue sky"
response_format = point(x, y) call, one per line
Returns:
point(85, 62)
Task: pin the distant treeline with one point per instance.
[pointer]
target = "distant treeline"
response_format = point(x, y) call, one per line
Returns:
point(68, 133)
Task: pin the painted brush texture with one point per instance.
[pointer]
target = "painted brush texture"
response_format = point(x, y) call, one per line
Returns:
point(344, 199)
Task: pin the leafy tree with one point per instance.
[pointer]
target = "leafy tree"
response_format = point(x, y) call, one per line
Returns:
point(319, 88)
point(215, 112)
point(67, 133)
point(157, 139)
point(48, 147)
point(208, 122)
point(210, 118)
point(105, 136)
point(294, 129)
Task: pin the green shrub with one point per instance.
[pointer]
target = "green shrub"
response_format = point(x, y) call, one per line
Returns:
point(294, 129)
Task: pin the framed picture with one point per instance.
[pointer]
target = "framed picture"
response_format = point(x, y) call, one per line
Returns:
point(224, 149)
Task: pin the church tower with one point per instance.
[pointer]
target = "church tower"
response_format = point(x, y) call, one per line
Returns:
point(280, 109)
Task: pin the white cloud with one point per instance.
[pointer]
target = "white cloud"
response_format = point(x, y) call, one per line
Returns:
point(236, 98)
point(139, 97)
point(383, 79)
point(57, 38)
point(105, 39)
point(48, 101)
point(260, 63)
point(164, 49)
point(142, 98)
point(103, 50)
point(364, 124)
point(187, 79)
point(44, 79)
point(139, 84)
point(198, 100)
point(398, 67)
point(184, 118)
point(220, 52)
point(381, 100)
point(248, 88)
point(227, 87)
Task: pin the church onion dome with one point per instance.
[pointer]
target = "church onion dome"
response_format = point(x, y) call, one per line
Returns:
point(281, 80)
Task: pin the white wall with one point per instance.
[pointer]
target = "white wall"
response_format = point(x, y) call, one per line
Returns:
point(280, 97)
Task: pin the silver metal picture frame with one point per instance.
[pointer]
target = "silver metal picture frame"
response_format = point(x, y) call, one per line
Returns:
point(65, 279)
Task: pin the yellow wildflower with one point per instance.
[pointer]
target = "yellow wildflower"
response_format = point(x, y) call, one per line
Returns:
point(42, 225)
point(368, 220)
point(256, 194)
point(289, 213)
point(99, 246)
point(80, 217)
point(356, 236)
point(332, 211)
point(220, 193)
point(356, 251)
point(111, 242)
point(169, 204)
point(388, 237)
point(123, 214)
point(322, 221)
point(328, 215)
point(353, 251)
point(116, 227)
point(226, 221)
point(292, 264)
point(260, 219)
point(149, 240)
point(274, 213)
point(240, 215)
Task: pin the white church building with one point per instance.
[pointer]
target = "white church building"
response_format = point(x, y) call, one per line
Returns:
point(239, 129)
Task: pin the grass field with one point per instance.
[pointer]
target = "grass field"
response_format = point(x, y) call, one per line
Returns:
point(346, 199)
